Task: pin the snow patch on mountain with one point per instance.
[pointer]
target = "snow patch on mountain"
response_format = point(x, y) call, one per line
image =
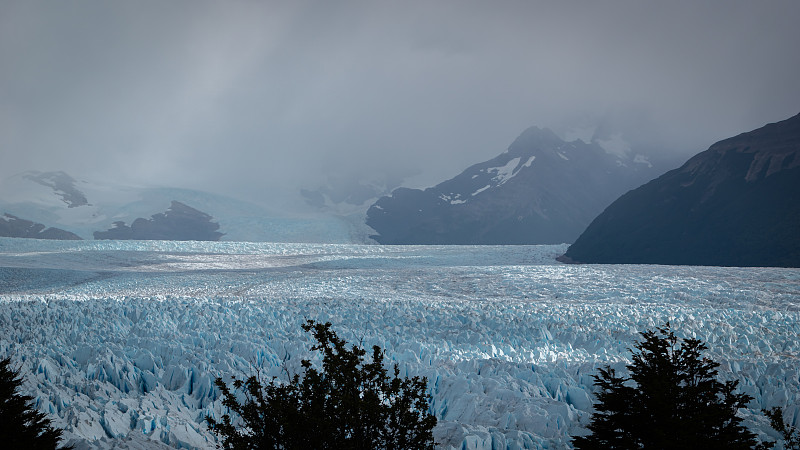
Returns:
point(453, 199)
point(488, 186)
point(504, 173)
point(529, 161)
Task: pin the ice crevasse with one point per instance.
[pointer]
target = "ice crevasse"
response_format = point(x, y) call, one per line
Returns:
point(120, 344)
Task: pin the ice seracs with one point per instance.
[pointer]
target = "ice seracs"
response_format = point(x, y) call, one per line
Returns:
point(119, 341)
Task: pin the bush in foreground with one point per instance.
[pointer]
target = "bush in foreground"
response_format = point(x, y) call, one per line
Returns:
point(350, 404)
point(671, 399)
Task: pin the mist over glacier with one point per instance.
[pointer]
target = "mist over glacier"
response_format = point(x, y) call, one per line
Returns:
point(259, 99)
point(120, 341)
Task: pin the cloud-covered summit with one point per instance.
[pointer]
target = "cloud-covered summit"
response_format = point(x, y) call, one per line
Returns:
point(270, 96)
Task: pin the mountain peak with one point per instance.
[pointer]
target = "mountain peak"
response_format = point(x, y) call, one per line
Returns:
point(534, 137)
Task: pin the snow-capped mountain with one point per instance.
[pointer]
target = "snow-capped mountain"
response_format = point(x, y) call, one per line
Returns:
point(735, 204)
point(82, 207)
point(542, 190)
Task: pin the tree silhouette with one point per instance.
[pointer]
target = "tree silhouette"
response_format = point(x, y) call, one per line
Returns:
point(350, 404)
point(671, 399)
point(789, 434)
point(22, 426)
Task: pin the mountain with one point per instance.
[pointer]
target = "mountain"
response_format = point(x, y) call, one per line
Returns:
point(735, 204)
point(78, 206)
point(542, 190)
point(83, 207)
point(179, 223)
point(63, 185)
point(13, 226)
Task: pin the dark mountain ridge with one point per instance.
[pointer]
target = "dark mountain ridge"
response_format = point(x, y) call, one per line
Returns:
point(13, 226)
point(178, 223)
point(735, 204)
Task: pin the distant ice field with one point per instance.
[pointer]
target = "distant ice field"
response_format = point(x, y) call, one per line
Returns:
point(120, 341)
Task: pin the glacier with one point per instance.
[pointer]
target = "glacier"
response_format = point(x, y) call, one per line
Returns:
point(119, 342)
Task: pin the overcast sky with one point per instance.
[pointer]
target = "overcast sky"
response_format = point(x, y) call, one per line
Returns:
point(245, 96)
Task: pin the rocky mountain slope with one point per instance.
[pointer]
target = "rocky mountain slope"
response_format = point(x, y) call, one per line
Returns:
point(735, 204)
point(179, 223)
point(13, 226)
point(63, 185)
point(542, 190)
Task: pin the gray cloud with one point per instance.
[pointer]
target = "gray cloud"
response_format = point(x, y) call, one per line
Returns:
point(252, 96)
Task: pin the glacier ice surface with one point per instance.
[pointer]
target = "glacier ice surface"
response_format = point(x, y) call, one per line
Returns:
point(119, 342)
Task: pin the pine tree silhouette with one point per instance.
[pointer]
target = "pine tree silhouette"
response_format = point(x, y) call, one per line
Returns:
point(21, 426)
point(789, 434)
point(672, 399)
point(350, 404)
